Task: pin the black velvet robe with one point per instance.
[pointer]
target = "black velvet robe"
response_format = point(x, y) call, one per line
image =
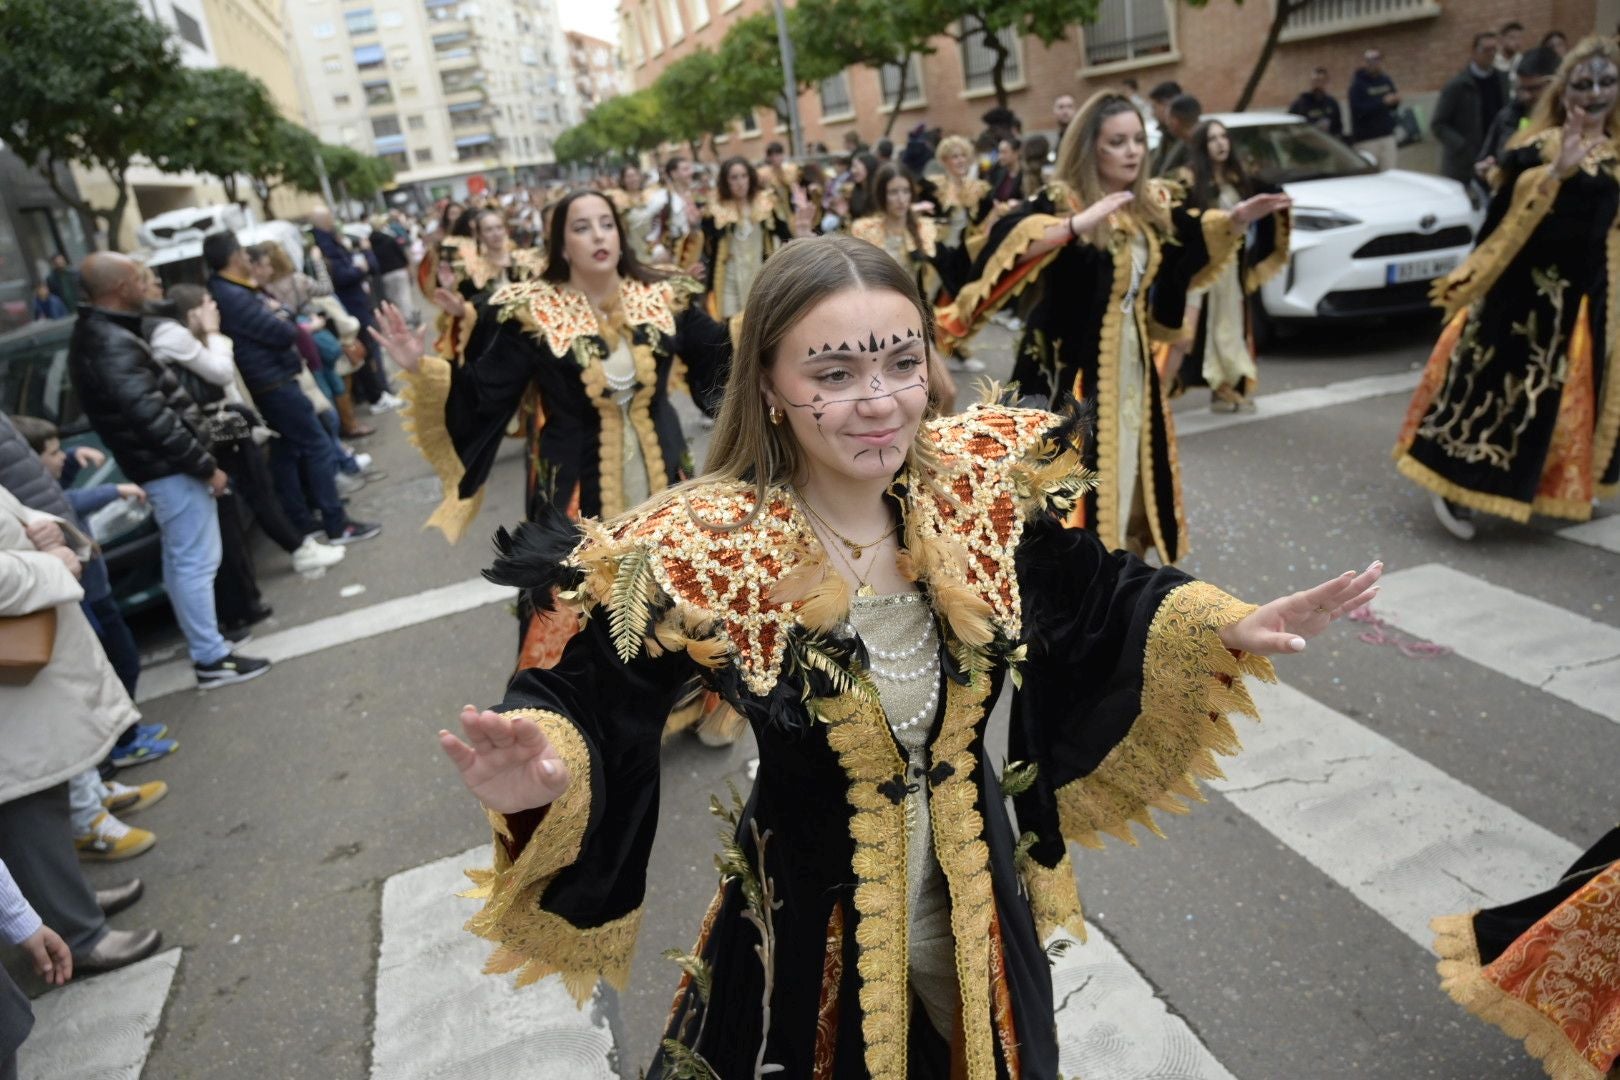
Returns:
point(1125, 690)
point(1073, 320)
point(1519, 408)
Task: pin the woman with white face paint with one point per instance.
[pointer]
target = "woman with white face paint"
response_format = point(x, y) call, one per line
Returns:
point(1111, 256)
point(1518, 411)
point(859, 577)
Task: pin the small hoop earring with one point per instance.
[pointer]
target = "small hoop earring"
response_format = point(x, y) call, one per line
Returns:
point(776, 416)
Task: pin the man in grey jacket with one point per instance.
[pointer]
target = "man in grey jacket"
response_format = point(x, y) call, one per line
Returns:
point(1467, 105)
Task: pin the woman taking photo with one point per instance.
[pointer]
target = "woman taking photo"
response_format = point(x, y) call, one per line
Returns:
point(1101, 245)
point(586, 348)
point(1518, 411)
point(858, 577)
point(1220, 353)
point(742, 225)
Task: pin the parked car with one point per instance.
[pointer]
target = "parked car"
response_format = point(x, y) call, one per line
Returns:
point(1365, 243)
point(172, 242)
point(34, 382)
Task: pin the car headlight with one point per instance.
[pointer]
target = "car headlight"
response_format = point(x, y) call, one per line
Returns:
point(1322, 220)
point(117, 519)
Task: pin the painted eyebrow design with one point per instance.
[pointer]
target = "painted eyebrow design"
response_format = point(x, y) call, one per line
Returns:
point(872, 344)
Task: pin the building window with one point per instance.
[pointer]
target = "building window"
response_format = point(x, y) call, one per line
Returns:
point(416, 123)
point(677, 30)
point(727, 5)
point(407, 90)
point(323, 30)
point(649, 23)
point(835, 96)
point(890, 78)
point(424, 156)
point(749, 123)
point(340, 101)
point(1324, 17)
point(700, 17)
point(400, 56)
point(332, 64)
point(392, 20)
point(378, 93)
point(360, 21)
point(383, 126)
point(978, 61)
point(398, 160)
point(455, 82)
point(189, 29)
point(368, 57)
point(1127, 30)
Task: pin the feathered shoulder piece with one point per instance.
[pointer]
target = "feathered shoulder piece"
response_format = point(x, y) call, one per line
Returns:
point(559, 315)
point(1166, 192)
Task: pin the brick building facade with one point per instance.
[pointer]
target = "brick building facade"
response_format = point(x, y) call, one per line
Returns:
point(1208, 50)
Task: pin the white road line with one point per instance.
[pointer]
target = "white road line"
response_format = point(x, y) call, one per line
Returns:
point(438, 1015)
point(337, 630)
point(1111, 1023)
point(99, 1028)
point(1405, 838)
point(1303, 399)
point(1565, 654)
point(1603, 532)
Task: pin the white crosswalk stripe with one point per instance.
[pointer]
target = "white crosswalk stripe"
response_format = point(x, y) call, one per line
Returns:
point(1603, 532)
point(101, 1028)
point(1567, 655)
point(1302, 399)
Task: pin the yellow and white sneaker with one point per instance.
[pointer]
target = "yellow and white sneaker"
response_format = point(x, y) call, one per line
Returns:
point(110, 840)
point(123, 799)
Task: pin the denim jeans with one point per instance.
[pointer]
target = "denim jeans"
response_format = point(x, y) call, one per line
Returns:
point(303, 454)
point(85, 792)
point(189, 521)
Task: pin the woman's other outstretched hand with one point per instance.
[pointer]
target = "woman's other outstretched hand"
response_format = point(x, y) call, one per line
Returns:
point(403, 344)
point(1287, 623)
point(507, 762)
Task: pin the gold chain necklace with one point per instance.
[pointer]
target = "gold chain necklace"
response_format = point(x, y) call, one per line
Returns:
point(856, 548)
point(861, 587)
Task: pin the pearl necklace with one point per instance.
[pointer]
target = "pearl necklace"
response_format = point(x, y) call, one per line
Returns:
point(924, 713)
point(929, 667)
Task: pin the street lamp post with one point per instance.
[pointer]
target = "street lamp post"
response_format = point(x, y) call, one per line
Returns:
point(790, 92)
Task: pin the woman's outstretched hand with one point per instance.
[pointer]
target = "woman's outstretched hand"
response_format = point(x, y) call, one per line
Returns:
point(1256, 207)
point(397, 338)
point(508, 763)
point(1285, 624)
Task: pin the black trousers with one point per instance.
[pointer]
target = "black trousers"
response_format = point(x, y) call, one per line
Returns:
point(236, 585)
point(249, 470)
point(36, 844)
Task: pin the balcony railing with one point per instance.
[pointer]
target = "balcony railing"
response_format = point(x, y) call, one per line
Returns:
point(1320, 18)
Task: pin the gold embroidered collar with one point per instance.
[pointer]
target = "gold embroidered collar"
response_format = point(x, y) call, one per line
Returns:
point(873, 228)
point(724, 212)
point(560, 315)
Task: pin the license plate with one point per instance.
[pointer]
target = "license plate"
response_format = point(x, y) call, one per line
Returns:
point(1419, 270)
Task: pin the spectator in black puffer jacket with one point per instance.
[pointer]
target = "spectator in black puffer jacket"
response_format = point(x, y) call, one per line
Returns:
point(152, 427)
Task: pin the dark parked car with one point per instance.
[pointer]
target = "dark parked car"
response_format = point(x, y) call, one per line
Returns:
point(34, 382)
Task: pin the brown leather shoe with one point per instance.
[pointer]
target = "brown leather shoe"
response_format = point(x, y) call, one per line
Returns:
point(116, 949)
point(119, 897)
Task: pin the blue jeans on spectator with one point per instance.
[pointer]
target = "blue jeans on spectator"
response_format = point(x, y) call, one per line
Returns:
point(189, 521)
point(345, 460)
point(303, 454)
point(330, 382)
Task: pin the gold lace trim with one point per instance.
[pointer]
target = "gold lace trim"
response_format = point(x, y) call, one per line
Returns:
point(1484, 502)
point(1222, 242)
point(560, 315)
point(532, 941)
point(965, 859)
point(1268, 268)
point(858, 733)
point(426, 392)
point(1462, 976)
point(1108, 344)
point(1054, 898)
point(873, 230)
point(723, 212)
point(978, 300)
point(1191, 682)
point(1606, 434)
point(1474, 278)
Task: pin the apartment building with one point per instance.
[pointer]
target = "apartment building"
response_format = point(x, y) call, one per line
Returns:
point(458, 95)
point(1209, 51)
point(597, 69)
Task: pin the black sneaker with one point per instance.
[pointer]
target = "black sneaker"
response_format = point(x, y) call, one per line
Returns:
point(229, 669)
point(236, 635)
point(354, 532)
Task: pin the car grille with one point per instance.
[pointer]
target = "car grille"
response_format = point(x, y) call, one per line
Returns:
point(1412, 243)
point(1390, 300)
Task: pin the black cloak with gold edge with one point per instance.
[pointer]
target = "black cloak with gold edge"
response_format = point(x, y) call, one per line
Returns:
point(1124, 691)
point(1071, 339)
point(1519, 408)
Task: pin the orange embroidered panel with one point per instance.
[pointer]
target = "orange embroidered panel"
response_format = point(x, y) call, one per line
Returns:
point(560, 316)
point(1001, 1006)
point(832, 976)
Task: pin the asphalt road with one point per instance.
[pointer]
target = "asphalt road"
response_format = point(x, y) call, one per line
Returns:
point(294, 797)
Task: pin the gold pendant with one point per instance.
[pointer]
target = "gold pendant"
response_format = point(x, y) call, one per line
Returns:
point(865, 590)
point(855, 552)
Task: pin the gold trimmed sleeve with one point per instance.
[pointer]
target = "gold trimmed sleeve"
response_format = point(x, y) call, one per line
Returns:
point(1191, 684)
point(1532, 198)
point(531, 941)
point(1267, 268)
point(1054, 898)
point(1223, 241)
point(995, 286)
point(427, 391)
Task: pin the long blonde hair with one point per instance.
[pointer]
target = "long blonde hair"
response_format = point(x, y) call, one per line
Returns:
point(1549, 112)
point(746, 446)
point(1077, 165)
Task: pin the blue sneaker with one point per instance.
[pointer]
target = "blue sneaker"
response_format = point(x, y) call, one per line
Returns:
point(150, 731)
point(142, 751)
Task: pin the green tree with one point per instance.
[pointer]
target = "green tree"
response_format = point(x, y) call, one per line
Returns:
point(219, 123)
point(85, 81)
point(878, 34)
point(353, 174)
point(285, 157)
point(1281, 11)
point(693, 98)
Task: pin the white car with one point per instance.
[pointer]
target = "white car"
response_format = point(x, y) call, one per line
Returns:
point(1365, 243)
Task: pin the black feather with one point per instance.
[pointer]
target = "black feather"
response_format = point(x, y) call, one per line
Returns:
point(532, 558)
